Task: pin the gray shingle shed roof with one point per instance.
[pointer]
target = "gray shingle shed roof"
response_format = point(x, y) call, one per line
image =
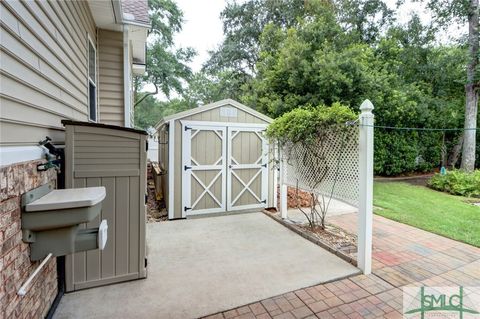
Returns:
point(136, 11)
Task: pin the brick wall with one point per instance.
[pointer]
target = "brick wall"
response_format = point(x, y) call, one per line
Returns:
point(15, 264)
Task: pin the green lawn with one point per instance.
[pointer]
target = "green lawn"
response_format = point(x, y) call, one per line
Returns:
point(427, 209)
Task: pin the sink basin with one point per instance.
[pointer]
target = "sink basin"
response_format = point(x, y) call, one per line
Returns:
point(68, 198)
point(52, 218)
point(63, 208)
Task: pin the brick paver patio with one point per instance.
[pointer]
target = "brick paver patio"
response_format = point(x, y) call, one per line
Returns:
point(402, 256)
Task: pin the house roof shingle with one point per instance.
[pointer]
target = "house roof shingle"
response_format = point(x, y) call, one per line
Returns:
point(136, 11)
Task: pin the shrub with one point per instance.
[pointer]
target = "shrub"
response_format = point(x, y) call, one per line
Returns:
point(303, 125)
point(403, 152)
point(457, 182)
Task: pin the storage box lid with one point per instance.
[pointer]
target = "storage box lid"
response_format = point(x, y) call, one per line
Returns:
point(68, 198)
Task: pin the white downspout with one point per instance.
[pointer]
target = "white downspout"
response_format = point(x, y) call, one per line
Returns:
point(126, 78)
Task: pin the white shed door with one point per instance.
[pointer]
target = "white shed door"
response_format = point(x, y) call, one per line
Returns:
point(223, 168)
point(247, 176)
point(204, 169)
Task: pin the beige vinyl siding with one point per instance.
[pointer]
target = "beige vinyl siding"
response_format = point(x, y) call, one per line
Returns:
point(43, 68)
point(212, 115)
point(110, 71)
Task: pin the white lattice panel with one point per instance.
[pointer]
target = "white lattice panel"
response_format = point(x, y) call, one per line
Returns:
point(329, 166)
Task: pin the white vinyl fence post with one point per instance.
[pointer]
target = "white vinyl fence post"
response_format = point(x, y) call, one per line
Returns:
point(365, 213)
point(283, 188)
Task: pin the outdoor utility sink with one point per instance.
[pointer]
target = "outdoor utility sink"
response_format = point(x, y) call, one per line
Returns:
point(51, 220)
point(64, 207)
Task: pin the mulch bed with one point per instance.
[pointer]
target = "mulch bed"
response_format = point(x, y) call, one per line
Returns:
point(419, 179)
point(333, 238)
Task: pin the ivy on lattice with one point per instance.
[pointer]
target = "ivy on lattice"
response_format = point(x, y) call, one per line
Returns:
point(320, 156)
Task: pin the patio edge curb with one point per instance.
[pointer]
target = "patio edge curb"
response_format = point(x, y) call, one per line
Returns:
point(313, 239)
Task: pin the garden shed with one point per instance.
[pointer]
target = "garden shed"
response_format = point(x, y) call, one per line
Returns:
point(216, 160)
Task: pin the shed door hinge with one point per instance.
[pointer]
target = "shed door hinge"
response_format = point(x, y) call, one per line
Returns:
point(264, 165)
point(187, 128)
point(186, 208)
point(264, 201)
point(187, 167)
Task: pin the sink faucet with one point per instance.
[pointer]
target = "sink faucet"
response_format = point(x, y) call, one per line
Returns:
point(51, 162)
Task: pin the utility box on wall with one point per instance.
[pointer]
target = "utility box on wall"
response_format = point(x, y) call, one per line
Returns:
point(116, 158)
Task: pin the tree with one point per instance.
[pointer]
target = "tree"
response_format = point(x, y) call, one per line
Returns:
point(471, 89)
point(364, 19)
point(281, 55)
point(167, 67)
point(150, 111)
point(243, 22)
point(204, 88)
point(465, 11)
point(412, 81)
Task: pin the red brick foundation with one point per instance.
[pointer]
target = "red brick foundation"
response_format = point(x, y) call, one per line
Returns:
point(15, 264)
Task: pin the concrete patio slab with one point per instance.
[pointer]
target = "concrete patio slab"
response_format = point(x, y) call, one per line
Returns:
point(203, 266)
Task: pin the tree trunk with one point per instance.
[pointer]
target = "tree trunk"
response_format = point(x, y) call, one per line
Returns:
point(455, 153)
point(471, 90)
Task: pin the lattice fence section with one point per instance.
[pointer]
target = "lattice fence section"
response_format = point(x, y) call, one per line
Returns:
point(329, 166)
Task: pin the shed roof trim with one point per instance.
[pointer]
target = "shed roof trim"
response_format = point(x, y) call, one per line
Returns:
point(211, 106)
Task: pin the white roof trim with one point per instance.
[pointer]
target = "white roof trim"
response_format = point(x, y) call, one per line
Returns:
point(137, 24)
point(211, 106)
point(109, 15)
point(106, 14)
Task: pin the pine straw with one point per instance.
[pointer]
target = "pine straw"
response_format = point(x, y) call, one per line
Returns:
point(336, 237)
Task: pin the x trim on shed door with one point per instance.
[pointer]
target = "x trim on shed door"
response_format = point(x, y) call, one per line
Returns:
point(204, 169)
point(247, 176)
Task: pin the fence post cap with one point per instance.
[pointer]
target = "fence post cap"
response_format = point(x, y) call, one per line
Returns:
point(366, 106)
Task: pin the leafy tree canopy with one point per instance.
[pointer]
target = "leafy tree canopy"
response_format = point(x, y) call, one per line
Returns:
point(278, 56)
point(150, 111)
point(167, 67)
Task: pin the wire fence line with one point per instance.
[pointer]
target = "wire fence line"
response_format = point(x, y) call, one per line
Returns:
point(330, 165)
point(422, 128)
